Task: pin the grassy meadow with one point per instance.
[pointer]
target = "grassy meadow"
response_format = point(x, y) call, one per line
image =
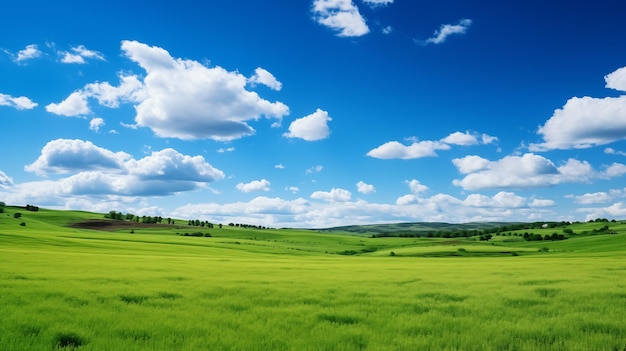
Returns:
point(64, 288)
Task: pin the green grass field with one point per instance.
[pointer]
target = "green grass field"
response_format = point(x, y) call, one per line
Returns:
point(281, 289)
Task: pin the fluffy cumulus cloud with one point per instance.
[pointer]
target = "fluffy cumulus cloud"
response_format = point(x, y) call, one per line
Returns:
point(310, 128)
point(78, 55)
point(187, 100)
point(71, 155)
point(527, 171)
point(255, 185)
point(20, 103)
point(428, 148)
point(180, 98)
point(96, 123)
point(334, 195)
point(365, 188)
point(262, 76)
point(586, 122)
point(397, 150)
point(342, 16)
point(74, 105)
point(447, 30)
point(29, 52)
point(98, 171)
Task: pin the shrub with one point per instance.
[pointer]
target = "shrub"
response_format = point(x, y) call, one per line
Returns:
point(17, 215)
point(23, 224)
point(392, 253)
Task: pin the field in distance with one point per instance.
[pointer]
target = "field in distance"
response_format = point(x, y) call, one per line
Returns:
point(76, 280)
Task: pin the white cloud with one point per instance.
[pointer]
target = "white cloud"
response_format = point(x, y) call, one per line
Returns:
point(615, 170)
point(314, 169)
point(187, 100)
point(365, 188)
point(420, 149)
point(593, 198)
point(255, 185)
point(612, 151)
point(79, 54)
point(377, 2)
point(387, 30)
point(293, 189)
point(222, 150)
point(527, 171)
point(447, 30)
point(310, 128)
point(341, 16)
point(29, 52)
point(416, 187)
point(542, 203)
point(262, 76)
point(96, 123)
point(427, 148)
point(129, 90)
point(586, 122)
point(20, 103)
point(458, 138)
point(73, 105)
point(470, 164)
point(334, 195)
point(279, 166)
point(617, 79)
point(615, 210)
point(72, 155)
point(501, 200)
point(98, 171)
point(5, 180)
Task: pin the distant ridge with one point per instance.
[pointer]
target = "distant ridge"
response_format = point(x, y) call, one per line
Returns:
point(414, 227)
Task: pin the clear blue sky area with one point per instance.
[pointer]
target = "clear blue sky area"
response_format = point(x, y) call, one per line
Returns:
point(316, 113)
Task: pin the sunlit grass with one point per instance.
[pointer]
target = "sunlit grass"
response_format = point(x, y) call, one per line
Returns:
point(242, 289)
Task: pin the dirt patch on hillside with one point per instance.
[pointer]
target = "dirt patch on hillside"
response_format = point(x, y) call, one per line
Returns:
point(112, 225)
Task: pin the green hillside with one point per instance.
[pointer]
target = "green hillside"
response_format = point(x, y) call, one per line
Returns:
point(122, 285)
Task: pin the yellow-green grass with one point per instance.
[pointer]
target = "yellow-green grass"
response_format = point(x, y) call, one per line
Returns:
point(290, 290)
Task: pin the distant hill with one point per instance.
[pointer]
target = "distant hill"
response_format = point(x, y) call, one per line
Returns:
point(414, 228)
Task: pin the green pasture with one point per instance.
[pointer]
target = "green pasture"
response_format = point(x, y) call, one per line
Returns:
point(63, 288)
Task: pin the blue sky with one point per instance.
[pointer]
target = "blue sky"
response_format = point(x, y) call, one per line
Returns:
point(316, 113)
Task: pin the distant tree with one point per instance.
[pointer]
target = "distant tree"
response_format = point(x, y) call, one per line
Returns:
point(17, 215)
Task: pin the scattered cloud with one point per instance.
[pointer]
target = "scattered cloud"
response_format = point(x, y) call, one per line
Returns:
point(314, 169)
point(74, 105)
point(586, 122)
point(293, 189)
point(28, 53)
point(78, 55)
point(310, 128)
point(387, 30)
point(262, 76)
point(342, 16)
point(96, 123)
point(334, 195)
point(447, 30)
point(279, 166)
point(255, 185)
point(612, 151)
point(223, 150)
point(427, 148)
point(20, 103)
point(592, 198)
point(375, 3)
point(527, 171)
point(416, 187)
point(365, 188)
